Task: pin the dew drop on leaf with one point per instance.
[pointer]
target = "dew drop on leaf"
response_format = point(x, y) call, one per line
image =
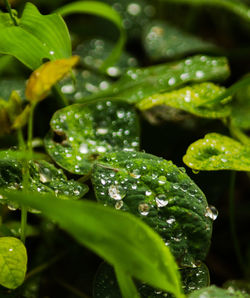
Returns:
point(211, 212)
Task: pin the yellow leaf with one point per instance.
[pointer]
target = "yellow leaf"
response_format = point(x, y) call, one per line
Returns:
point(22, 118)
point(43, 78)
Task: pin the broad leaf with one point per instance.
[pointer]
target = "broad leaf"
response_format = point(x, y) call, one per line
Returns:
point(44, 177)
point(162, 195)
point(162, 40)
point(235, 6)
point(35, 38)
point(214, 291)
point(119, 238)
point(94, 52)
point(80, 133)
point(102, 10)
point(13, 262)
point(190, 99)
point(217, 152)
point(106, 286)
point(139, 83)
point(42, 79)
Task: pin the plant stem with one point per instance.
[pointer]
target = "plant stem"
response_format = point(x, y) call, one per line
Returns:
point(60, 96)
point(10, 12)
point(232, 221)
point(30, 127)
point(23, 223)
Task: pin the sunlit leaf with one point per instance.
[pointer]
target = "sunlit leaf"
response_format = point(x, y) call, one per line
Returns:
point(162, 195)
point(162, 40)
point(238, 7)
point(13, 262)
point(47, 75)
point(213, 291)
point(139, 83)
point(80, 133)
point(217, 152)
point(101, 9)
point(35, 38)
point(189, 99)
point(94, 52)
point(118, 237)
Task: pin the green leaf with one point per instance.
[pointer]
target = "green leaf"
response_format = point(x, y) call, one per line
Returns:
point(102, 10)
point(13, 262)
point(160, 194)
point(139, 83)
point(163, 41)
point(94, 52)
point(106, 286)
point(118, 237)
point(217, 152)
point(213, 291)
point(35, 38)
point(14, 228)
point(44, 177)
point(10, 84)
point(235, 6)
point(189, 99)
point(82, 132)
point(238, 285)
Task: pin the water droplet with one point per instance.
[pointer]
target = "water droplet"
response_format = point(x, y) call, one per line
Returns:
point(68, 89)
point(12, 208)
point(103, 182)
point(171, 220)
point(143, 208)
point(148, 193)
point(10, 249)
point(199, 74)
point(211, 212)
point(134, 9)
point(114, 193)
point(113, 71)
point(195, 171)
point(102, 131)
point(118, 205)
point(101, 149)
point(160, 201)
point(162, 180)
point(171, 81)
point(52, 52)
point(84, 148)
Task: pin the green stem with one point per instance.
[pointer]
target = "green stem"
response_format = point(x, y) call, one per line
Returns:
point(23, 223)
point(239, 134)
point(60, 96)
point(10, 12)
point(232, 221)
point(30, 127)
point(21, 143)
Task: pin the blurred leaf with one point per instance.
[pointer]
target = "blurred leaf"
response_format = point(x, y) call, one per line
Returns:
point(42, 79)
point(163, 41)
point(44, 177)
point(105, 284)
point(217, 152)
point(190, 99)
point(80, 133)
point(94, 52)
point(13, 262)
point(102, 10)
point(160, 194)
point(19, 155)
point(14, 228)
point(126, 284)
point(238, 285)
point(10, 84)
point(35, 38)
point(213, 291)
point(139, 83)
point(118, 237)
point(22, 119)
point(5, 60)
point(235, 6)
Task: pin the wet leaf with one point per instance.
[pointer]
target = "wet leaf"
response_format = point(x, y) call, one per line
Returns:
point(190, 99)
point(36, 37)
point(213, 291)
point(84, 84)
point(238, 285)
point(94, 52)
point(106, 286)
point(42, 79)
point(13, 262)
point(80, 133)
point(217, 152)
point(160, 194)
point(14, 228)
point(163, 41)
point(44, 177)
point(139, 83)
point(129, 243)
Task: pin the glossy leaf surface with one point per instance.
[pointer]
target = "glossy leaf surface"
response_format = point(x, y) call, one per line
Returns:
point(160, 194)
point(190, 99)
point(217, 152)
point(83, 132)
point(13, 262)
point(35, 38)
point(163, 41)
point(139, 83)
point(42, 79)
point(119, 238)
point(214, 291)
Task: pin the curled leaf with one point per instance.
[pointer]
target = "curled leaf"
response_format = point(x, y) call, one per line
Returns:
point(189, 99)
point(162, 195)
point(47, 75)
point(217, 152)
point(13, 262)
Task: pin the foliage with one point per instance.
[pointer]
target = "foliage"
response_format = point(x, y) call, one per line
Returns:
point(74, 141)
